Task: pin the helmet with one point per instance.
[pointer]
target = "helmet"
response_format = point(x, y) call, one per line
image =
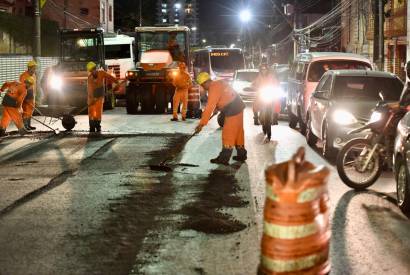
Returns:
point(202, 78)
point(29, 80)
point(91, 66)
point(182, 65)
point(263, 66)
point(32, 63)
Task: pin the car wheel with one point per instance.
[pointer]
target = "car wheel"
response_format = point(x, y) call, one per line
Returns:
point(293, 120)
point(402, 186)
point(328, 151)
point(310, 137)
point(301, 123)
point(160, 102)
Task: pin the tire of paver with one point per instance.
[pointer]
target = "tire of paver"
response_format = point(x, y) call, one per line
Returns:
point(131, 99)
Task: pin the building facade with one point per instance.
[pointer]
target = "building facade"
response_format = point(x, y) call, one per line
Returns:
point(179, 12)
point(358, 32)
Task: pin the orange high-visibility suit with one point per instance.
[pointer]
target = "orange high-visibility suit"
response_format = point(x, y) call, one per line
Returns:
point(95, 99)
point(17, 91)
point(182, 83)
point(265, 81)
point(220, 95)
point(30, 100)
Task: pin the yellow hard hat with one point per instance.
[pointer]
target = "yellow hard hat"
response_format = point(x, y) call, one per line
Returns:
point(202, 78)
point(32, 63)
point(29, 80)
point(91, 66)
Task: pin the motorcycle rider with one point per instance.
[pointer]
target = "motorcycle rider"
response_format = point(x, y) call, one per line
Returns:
point(264, 78)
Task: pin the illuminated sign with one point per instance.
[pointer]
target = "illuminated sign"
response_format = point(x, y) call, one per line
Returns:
point(219, 54)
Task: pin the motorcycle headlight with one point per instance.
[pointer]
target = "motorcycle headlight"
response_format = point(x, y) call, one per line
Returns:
point(269, 94)
point(376, 116)
point(343, 117)
point(56, 82)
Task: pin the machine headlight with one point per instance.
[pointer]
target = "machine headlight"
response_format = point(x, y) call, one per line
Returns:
point(56, 82)
point(132, 74)
point(376, 116)
point(270, 93)
point(343, 117)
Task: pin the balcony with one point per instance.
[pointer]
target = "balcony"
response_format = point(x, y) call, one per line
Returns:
point(396, 24)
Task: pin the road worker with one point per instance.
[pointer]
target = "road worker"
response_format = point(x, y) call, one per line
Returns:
point(225, 99)
point(12, 104)
point(30, 100)
point(264, 79)
point(95, 88)
point(182, 82)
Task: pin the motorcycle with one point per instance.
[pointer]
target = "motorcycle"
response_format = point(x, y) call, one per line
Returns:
point(362, 160)
point(268, 98)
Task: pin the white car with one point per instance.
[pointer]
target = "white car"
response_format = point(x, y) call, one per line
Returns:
point(243, 79)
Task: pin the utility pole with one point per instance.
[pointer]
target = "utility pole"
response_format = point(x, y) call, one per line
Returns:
point(37, 31)
point(381, 34)
point(378, 37)
point(140, 12)
point(295, 26)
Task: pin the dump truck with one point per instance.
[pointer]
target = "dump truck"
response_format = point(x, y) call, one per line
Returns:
point(65, 84)
point(158, 51)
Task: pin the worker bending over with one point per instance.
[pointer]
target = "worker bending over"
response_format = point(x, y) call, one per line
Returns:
point(225, 99)
point(30, 100)
point(12, 104)
point(264, 79)
point(182, 82)
point(95, 89)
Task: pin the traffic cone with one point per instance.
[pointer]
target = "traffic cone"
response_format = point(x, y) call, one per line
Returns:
point(296, 232)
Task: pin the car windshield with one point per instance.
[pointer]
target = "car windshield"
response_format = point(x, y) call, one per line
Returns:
point(227, 60)
point(246, 76)
point(77, 48)
point(318, 68)
point(122, 51)
point(367, 88)
point(173, 41)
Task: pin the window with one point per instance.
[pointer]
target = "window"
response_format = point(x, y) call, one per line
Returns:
point(327, 85)
point(84, 11)
point(164, 10)
point(103, 13)
point(164, 20)
point(317, 69)
point(122, 51)
point(110, 13)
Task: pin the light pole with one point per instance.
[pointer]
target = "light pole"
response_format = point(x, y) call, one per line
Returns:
point(245, 16)
point(140, 14)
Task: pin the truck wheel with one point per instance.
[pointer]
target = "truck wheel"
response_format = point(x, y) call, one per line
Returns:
point(160, 103)
point(110, 103)
point(132, 100)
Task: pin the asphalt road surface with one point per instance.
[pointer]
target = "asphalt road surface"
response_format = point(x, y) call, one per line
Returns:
point(79, 204)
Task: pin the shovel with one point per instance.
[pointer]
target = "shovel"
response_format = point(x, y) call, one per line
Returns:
point(163, 167)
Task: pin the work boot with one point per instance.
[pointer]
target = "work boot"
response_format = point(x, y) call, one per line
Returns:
point(25, 122)
point(92, 126)
point(98, 126)
point(23, 131)
point(2, 132)
point(184, 119)
point(29, 125)
point(256, 120)
point(242, 154)
point(174, 119)
point(224, 157)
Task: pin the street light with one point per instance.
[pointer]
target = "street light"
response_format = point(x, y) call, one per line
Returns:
point(245, 16)
point(203, 41)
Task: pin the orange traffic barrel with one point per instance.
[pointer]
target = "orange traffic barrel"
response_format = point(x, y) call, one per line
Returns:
point(194, 102)
point(296, 231)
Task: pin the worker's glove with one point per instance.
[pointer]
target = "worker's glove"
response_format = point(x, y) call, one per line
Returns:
point(198, 129)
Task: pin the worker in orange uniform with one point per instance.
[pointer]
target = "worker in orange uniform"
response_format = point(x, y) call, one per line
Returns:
point(182, 82)
point(264, 79)
point(225, 99)
point(95, 90)
point(30, 100)
point(12, 104)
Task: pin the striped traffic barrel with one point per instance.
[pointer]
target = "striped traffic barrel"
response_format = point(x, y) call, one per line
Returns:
point(296, 231)
point(194, 102)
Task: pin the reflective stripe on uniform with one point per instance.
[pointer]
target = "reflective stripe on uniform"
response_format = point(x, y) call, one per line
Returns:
point(293, 265)
point(290, 232)
point(270, 194)
point(309, 195)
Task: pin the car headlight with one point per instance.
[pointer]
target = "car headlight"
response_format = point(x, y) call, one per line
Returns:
point(56, 82)
point(376, 116)
point(343, 117)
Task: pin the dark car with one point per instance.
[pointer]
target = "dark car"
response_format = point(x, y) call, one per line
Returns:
point(402, 163)
point(343, 101)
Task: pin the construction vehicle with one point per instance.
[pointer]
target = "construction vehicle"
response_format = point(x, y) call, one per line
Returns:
point(158, 52)
point(65, 84)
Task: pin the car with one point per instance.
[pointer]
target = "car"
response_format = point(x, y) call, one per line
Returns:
point(343, 101)
point(243, 79)
point(401, 163)
point(282, 74)
point(305, 73)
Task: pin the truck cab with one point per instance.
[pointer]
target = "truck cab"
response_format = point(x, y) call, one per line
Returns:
point(158, 52)
point(66, 83)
